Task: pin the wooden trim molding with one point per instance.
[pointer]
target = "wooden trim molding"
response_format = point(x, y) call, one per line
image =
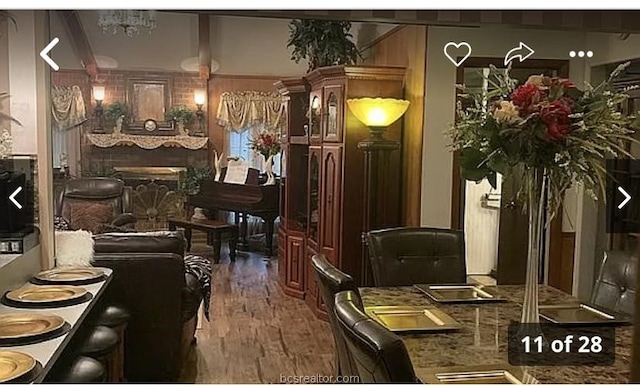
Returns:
point(81, 44)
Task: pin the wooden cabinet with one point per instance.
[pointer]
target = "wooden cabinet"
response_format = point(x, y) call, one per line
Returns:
point(331, 201)
point(293, 182)
point(296, 253)
point(333, 185)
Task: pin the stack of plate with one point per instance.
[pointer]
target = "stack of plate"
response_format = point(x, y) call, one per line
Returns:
point(29, 327)
point(14, 365)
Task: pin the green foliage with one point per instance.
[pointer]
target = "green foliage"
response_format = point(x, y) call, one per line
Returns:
point(100, 169)
point(494, 135)
point(116, 110)
point(323, 42)
point(180, 113)
point(190, 180)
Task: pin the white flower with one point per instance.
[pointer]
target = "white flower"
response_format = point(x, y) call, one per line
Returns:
point(506, 112)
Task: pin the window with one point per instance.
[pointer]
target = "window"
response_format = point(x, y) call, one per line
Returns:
point(239, 147)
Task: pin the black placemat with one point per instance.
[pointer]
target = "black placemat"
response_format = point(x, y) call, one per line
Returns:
point(9, 342)
point(57, 304)
point(70, 282)
point(29, 377)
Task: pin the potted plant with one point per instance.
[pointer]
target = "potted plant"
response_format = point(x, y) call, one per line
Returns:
point(322, 42)
point(181, 115)
point(117, 114)
point(189, 184)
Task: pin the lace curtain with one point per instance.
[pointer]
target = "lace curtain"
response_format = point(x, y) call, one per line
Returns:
point(245, 110)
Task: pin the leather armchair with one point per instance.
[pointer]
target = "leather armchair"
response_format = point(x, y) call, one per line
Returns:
point(150, 282)
point(332, 281)
point(407, 256)
point(615, 287)
point(380, 356)
point(110, 191)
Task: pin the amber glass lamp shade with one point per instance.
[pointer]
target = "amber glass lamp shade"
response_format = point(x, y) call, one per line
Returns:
point(377, 113)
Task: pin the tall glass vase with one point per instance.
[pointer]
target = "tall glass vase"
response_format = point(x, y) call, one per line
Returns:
point(268, 166)
point(536, 185)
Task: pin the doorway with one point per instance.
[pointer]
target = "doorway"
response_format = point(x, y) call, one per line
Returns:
point(496, 228)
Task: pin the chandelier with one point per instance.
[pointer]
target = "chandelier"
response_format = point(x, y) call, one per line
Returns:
point(131, 22)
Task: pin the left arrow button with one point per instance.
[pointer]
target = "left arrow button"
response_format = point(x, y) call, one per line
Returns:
point(13, 195)
point(45, 54)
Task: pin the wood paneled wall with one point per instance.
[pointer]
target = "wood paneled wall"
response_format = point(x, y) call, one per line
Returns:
point(407, 46)
point(223, 83)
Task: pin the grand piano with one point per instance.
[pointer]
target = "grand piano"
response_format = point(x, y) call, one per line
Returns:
point(251, 198)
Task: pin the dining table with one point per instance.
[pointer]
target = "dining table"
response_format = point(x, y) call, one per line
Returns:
point(483, 335)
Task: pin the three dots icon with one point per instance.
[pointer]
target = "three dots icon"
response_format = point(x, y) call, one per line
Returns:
point(581, 54)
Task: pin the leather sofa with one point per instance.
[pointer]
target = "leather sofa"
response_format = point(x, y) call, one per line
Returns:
point(150, 282)
point(108, 191)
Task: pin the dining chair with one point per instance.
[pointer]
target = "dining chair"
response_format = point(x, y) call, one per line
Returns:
point(615, 287)
point(332, 281)
point(406, 256)
point(379, 355)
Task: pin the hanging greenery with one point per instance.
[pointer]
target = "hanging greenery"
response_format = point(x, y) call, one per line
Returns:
point(322, 42)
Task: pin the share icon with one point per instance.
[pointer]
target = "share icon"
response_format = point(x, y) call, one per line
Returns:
point(522, 52)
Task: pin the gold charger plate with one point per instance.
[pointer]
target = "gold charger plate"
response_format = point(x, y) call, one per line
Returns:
point(65, 274)
point(45, 293)
point(458, 293)
point(14, 364)
point(478, 374)
point(412, 318)
point(27, 324)
point(581, 314)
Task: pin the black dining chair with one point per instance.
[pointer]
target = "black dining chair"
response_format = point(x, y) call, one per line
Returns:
point(379, 355)
point(615, 287)
point(406, 256)
point(332, 281)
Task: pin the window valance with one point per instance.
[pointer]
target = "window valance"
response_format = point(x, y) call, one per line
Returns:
point(67, 107)
point(244, 110)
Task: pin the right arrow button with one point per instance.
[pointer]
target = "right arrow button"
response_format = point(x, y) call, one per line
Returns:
point(626, 195)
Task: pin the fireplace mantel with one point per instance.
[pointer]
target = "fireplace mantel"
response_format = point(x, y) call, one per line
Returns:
point(148, 142)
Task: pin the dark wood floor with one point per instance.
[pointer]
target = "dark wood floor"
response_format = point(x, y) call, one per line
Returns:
point(256, 332)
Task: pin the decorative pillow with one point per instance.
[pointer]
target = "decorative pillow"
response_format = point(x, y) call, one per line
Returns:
point(74, 248)
point(89, 216)
point(60, 224)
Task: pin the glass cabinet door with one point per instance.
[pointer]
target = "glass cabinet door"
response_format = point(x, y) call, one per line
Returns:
point(333, 114)
point(315, 107)
point(314, 193)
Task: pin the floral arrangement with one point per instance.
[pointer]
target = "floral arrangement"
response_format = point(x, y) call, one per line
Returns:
point(180, 113)
point(116, 110)
point(546, 127)
point(266, 143)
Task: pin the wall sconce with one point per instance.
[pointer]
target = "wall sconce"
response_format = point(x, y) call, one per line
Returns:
point(98, 96)
point(200, 97)
point(378, 113)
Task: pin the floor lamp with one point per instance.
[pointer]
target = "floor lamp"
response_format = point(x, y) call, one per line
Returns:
point(381, 199)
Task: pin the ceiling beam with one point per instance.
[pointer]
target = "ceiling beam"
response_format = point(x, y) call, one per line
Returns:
point(204, 48)
point(73, 25)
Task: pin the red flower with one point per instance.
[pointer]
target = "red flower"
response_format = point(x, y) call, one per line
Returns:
point(555, 116)
point(566, 83)
point(527, 96)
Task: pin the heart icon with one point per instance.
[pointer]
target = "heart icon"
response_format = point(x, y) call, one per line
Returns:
point(455, 50)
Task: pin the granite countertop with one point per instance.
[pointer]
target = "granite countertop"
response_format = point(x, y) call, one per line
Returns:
point(483, 338)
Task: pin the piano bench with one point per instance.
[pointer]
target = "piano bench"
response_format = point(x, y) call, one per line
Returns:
point(214, 228)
